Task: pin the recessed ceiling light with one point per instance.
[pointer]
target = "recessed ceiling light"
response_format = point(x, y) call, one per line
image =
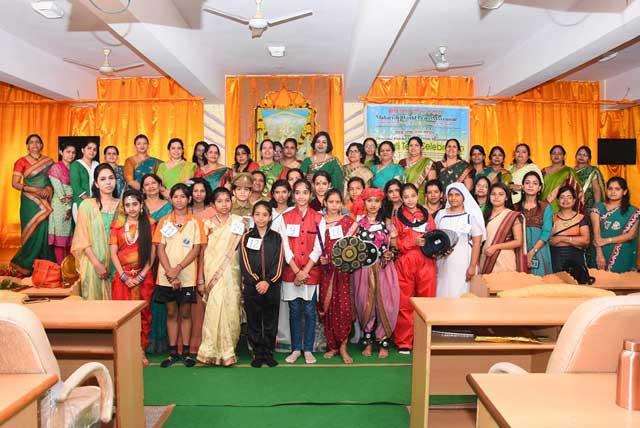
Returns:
point(608, 57)
point(276, 51)
point(48, 9)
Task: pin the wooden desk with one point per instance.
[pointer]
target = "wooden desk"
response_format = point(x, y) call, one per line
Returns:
point(103, 331)
point(549, 400)
point(53, 293)
point(19, 395)
point(440, 364)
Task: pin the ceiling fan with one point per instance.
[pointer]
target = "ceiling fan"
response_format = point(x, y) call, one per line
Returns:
point(258, 24)
point(106, 67)
point(441, 64)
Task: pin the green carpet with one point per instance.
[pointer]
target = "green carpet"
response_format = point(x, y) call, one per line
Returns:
point(238, 386)
point(344, 416)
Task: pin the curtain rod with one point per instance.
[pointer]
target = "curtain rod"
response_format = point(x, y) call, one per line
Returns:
point(495, 100)
point(96, 101)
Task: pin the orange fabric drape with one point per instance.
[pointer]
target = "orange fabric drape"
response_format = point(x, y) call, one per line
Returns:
point(420, 90)
point(119, 122)
point(244, 94)
point(115, 122)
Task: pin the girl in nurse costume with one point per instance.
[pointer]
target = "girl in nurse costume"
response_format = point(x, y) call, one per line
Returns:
point(463, 216)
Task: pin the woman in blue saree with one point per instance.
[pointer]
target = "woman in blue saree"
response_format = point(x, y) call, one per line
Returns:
point(139, 164)
point(386, 170)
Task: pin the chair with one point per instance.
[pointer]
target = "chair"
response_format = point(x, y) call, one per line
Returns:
point(26, 349)
point(592, 337)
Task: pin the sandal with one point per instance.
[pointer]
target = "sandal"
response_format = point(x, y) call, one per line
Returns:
point(188, 360)
point(168, 362)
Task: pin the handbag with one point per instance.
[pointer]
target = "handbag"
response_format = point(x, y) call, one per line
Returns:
point(46, 274)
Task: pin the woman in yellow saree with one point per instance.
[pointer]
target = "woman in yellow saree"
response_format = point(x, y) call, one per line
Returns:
point(90, 244)
point(219, 283)
point(557, 175)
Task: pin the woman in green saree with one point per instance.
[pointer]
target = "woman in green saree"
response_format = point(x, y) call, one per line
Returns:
point(522, 164)
point(157, 208)
point(216, 174)
point(386, 170)
point(416, 166)
point(90, 244)
point(496, 172)
point(355, 167)
point(615, 229)
point(477, 160)
point(269, 167)
point(452, 169)
point(370, 149)
point(30, 177)
point(589, 178)
point(557, 175)
point(322, 159)
point(139, 164)
point(176, 169)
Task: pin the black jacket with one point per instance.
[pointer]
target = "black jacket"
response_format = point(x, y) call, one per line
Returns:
point(265, 264)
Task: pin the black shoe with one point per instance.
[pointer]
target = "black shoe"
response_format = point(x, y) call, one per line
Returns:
point(404, 351)
point(168, 362)
point(188, 360)
point(270, 361)
point(256, 363)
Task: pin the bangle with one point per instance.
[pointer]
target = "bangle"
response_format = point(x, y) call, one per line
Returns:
point(140, 277)
point(123, 277)
point(180, 265)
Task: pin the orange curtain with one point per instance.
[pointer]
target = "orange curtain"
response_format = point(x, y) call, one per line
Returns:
point(244, 94)
point(176, 114)
point(116, 123)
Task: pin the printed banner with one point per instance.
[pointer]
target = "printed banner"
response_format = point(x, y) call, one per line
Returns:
point(434, 124)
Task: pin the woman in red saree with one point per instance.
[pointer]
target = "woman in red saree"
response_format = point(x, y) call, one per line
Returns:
point(132, 255)
point(504, 250)
point(335, 306)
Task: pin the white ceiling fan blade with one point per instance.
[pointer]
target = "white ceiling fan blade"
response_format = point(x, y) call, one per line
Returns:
point(82, 64)
point(466, 65)
point(128, 66)
point(424, 70)
point(222, 13)
point(257, 32)
point(290, 17)
point(434, 58)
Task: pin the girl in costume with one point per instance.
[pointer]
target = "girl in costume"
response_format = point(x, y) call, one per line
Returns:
point(321, 183)
point(258, 187)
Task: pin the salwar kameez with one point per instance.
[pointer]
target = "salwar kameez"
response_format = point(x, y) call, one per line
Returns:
point(221, 327)
point(60, 221)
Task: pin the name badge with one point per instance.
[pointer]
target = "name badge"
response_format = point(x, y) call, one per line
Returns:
point(421, 229)
point(254, 243)
point(335, 232)
point(293, 230)
point(168, 230)
point(375, 228)
point(186, 242)
point(237, 228)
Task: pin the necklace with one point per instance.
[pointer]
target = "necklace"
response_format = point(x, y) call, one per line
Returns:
point(133, 240)
point(36, 159)
point(567, 219)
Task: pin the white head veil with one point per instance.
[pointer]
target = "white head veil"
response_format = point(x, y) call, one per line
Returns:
point(470, 205)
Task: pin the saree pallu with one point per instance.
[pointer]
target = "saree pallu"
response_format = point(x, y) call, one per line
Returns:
point(361, 171)
point(501, 175)
point(620, 258)
point(382, 175)
point(272, 171)
point(134, 170)
point(518, 175)
point(179, 173)
point(499, 231)
point(417, 174)
point(216, 178)
point(586, 176)
point(455, 173)
point(221, 327)
point(331, 166)
point(554, 181)
point(34, 214)
point(91, 232)
point(60, 222)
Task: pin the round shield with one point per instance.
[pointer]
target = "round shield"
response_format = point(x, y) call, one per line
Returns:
point(349, 253)
point(371, 254)
point(439, 243)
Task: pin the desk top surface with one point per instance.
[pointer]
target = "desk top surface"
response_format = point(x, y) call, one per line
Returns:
point(492, 311)
point(18, 390)
point(552, 400)
point(86, 314)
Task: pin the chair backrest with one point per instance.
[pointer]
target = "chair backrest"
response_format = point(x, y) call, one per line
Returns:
point(592, 337)
point(24, 347)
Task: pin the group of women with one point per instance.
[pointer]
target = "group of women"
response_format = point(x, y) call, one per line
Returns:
point(210, 246)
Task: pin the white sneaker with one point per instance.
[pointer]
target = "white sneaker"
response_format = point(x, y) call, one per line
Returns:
point(293, 357)
point(309, 358)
